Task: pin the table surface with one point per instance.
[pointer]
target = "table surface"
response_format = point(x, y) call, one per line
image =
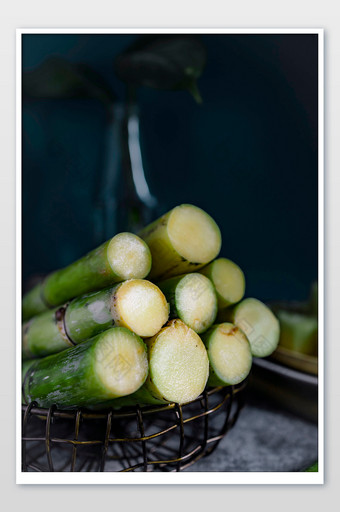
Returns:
point(266, 438)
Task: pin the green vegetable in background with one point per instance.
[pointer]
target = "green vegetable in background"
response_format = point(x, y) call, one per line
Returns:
point(298, 332)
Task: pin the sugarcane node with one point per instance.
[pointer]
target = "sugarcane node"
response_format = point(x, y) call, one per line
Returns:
point(60, 313)
point(61, 324)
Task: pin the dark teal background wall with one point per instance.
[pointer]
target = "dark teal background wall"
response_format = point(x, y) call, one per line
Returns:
point(248, 154)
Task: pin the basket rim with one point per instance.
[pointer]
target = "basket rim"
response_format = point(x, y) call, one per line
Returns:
point(124, 412)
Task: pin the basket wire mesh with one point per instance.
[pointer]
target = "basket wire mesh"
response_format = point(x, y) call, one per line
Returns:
point(156, 438)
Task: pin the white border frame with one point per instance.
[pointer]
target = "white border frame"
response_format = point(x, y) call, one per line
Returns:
point(192, 477)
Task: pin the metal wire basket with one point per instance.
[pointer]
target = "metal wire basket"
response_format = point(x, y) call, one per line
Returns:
point(157, 438)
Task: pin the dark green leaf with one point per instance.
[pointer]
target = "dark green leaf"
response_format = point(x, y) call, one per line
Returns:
point(163, 62)
point(58, 78)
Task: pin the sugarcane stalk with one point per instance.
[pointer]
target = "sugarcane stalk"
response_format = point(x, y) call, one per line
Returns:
point(136, 304)
point(178, 368)
point(181, 241)
point(258, 323)
point(123, 257)
point(228, 279)
point(229, 353)
point(110, 365)
point(298, 332)
point(45, 334)
point(192, 298)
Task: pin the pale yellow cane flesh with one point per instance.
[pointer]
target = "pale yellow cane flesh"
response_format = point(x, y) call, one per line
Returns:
point(121, 362)
point(140, 306)
point(259, 324)
point(228, 280)
point(196, 302)
point(229, 353)
point(194, 234)
point(179, 365)
point(129, 256)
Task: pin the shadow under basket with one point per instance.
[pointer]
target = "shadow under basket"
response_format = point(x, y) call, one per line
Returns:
point(156, 438)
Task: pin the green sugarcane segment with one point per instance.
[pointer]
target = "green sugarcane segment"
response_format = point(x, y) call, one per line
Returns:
point(181, 241)
point(136, 304)
point(123, 257)
point(110, 365)
point(258, 323)
point(228, 279)
point(88, 315)
point(178, 368)
point(55, 330)
point(33, 302)
point(192, 298)
point(25, 366)
point(142, 397)
point(229, 353)
point(298, 332)
point(44, 334)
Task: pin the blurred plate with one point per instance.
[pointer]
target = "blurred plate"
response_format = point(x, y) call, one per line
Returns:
point(291, 389)
point(302, 362)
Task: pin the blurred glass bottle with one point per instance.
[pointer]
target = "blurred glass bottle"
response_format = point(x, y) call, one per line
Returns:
point(123, 199)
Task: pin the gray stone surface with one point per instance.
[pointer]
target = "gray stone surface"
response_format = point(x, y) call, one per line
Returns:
point(265, 438)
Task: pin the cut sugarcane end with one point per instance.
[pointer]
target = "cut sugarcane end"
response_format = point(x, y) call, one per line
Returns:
point(140, 306)
point(129, 256)
point(229, 354)
point(194, 234)
point(179, 365)
point(196, 302)
point(259, 324)
point(121, 363)
point(229, 281)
